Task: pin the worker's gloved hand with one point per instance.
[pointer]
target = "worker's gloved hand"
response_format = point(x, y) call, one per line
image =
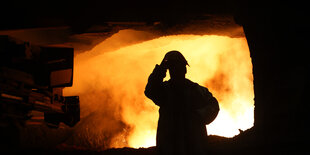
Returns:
point(164, 63)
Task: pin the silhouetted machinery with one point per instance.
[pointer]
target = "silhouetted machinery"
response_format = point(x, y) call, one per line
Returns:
point(32, 78)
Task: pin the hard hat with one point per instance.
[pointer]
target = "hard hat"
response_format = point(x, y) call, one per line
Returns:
point(175, 58)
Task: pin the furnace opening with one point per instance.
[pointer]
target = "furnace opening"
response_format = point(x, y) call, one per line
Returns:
point(111, 77)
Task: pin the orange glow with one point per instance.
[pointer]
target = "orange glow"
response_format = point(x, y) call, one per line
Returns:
point(111, 85)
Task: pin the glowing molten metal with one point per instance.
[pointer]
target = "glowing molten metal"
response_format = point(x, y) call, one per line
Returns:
point(111, 82)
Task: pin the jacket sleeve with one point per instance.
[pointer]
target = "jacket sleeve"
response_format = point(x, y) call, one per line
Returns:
point(154, 89)
point(209, 107)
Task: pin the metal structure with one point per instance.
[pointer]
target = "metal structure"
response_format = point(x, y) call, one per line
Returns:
point(32, 78)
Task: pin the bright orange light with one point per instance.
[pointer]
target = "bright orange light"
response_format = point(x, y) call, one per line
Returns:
point(220, 63)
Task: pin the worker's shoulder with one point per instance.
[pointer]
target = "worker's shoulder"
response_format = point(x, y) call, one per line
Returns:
point(191, 83)
point(197, 86)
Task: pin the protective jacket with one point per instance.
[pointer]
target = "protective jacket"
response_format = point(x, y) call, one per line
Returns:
point(185, 110)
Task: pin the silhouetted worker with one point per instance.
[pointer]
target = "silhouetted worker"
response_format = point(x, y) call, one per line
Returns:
point(185, 108)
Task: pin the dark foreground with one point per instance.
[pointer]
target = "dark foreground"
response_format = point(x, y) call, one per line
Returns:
point(245, 143)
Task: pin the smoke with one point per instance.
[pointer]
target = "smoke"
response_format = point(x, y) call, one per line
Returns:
point(107, 93)
point(110, 80)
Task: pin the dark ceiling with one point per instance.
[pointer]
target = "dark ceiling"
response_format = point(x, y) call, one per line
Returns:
point(17, 14)
point(81, 14)
point(63, 20)
point(79, 23)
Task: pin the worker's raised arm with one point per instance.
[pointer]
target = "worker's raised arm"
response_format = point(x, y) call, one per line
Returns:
point(154, 89)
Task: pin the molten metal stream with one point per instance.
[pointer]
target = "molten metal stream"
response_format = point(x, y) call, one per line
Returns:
point(110, 83)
